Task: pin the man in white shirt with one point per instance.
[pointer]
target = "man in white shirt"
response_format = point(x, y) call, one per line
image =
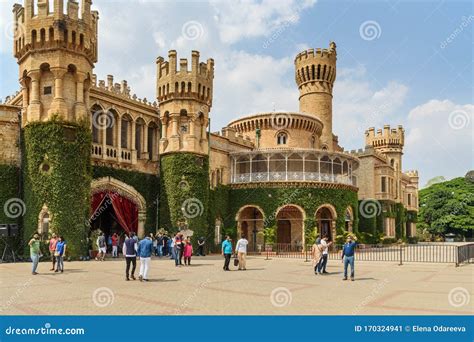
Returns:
point(324, 260)
point(241, 250)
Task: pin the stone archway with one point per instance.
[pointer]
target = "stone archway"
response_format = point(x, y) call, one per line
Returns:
point(290, 226)
point(326, 216)
point(128, 191)
point(250, 222)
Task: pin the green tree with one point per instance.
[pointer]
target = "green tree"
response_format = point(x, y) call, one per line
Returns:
point(448, 207)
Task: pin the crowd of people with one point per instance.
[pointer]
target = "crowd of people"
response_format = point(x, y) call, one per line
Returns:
point(178, 248)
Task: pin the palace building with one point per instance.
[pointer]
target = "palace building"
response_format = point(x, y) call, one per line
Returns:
point(79, 154)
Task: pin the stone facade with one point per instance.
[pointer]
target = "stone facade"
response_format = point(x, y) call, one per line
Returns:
point(56, 53)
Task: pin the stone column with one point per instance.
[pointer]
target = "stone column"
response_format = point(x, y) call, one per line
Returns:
point(145, 154)
point(25, 98)
point(133, 148)
point(174, 126)
point(119, 138)
point(164, 129)
point(141, 223)
point(80, 110)
point(34, 108)
point(268, 168)
point(58, 106)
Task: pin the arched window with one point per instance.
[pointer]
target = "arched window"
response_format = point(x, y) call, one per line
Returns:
point(282, 137)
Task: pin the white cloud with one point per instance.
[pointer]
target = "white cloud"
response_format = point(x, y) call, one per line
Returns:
point(439, 137)
point(247, 83)
point(358, 105)
point(236, 20)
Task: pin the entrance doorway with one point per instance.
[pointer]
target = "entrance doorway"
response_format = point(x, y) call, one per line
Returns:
point(290, 228)
point(284, 231)
point(325, 218)
point(113, 213)
point(250, 223)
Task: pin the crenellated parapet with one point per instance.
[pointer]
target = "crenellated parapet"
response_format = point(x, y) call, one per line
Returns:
point(186, 82)
point(388, 139)
point(185, 100)
point(121, 89)
point(316, 65)
point(38, 29)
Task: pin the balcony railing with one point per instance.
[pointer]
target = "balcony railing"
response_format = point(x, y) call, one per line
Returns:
point(293, 176)
point(112, 153)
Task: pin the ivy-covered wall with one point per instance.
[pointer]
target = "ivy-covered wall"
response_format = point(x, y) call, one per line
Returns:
point(146, 184)
point(57, 172)
point(10, 197)
point(270, 199)
point(184, 192)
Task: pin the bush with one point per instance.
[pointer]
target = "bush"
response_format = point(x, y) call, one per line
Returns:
point(412, 240)
point(388, 240)
point(270, 235)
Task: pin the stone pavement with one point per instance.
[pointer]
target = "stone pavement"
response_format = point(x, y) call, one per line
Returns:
point(271, 287)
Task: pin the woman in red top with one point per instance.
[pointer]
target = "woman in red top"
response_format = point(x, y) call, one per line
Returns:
point(188, 252)
point(115, 245)
point(52, 248)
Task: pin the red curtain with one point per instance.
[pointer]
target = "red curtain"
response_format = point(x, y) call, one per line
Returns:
point(96, 202)
point(126, 211)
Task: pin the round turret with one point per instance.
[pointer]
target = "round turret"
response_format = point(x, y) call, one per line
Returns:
point(315, 72)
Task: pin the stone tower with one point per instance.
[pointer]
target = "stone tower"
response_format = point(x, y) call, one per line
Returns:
point(185, 99)
point(315, 72)
point(56, 52)
point(389, 142)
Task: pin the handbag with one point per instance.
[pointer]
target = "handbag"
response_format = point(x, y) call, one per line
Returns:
point(56, 254)
point(236, 261)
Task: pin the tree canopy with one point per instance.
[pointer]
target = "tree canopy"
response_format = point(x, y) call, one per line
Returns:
point(448, 207)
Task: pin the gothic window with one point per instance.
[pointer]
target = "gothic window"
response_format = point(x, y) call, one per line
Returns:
point(282, 138)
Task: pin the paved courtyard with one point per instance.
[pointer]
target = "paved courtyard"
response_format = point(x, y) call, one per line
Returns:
point(276, 286)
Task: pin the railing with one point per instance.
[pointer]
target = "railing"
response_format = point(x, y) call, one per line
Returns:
point(111, 153)
point(466, 254)
point(429, 253)
point(292, 176)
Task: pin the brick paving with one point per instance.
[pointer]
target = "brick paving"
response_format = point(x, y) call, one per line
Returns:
point(276, 286)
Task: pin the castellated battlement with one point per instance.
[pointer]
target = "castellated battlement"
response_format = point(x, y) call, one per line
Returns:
point(316, 65)
point(388, 137)
point(122, 89)
point(412, 173)
point(41, 29)
point(186, 82)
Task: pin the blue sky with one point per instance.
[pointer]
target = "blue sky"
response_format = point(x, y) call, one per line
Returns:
point(415, 70)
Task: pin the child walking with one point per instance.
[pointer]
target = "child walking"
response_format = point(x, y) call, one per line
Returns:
point(188, 252)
